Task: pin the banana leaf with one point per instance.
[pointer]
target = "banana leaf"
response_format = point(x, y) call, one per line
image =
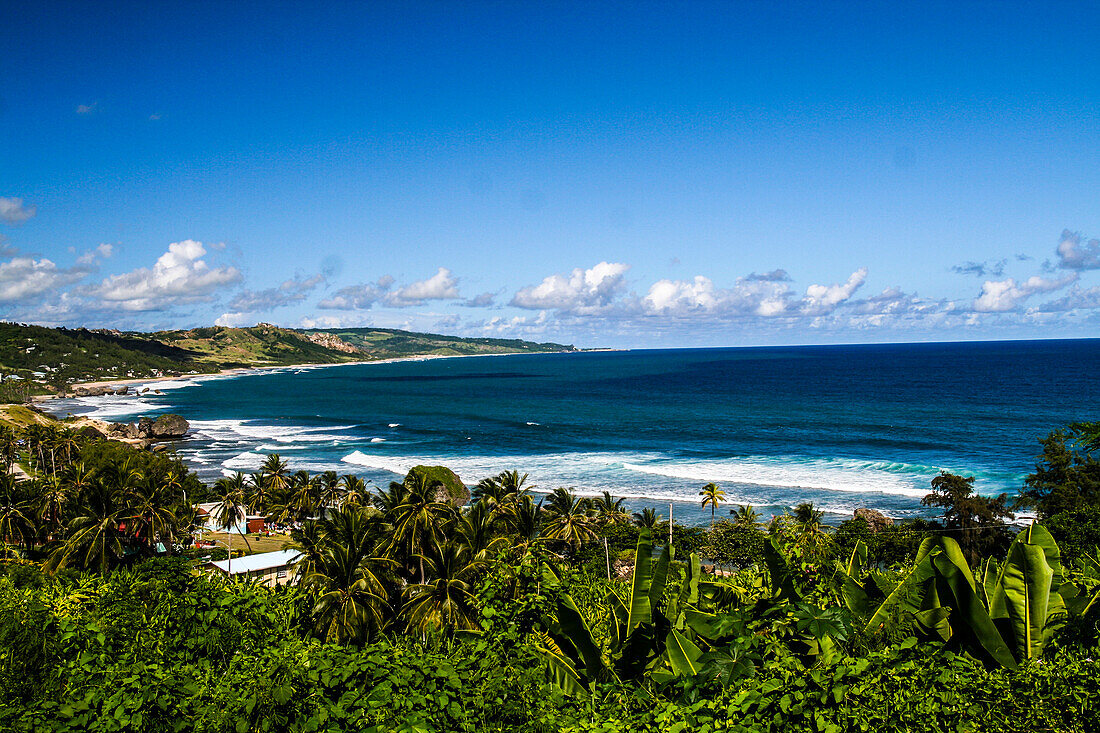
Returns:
point(1028, 601)
point(782, 578)
point(563, 672)
point(641, 610)
point(575, 630)
point(682, 654)
point(970, 621)
point(660, 576)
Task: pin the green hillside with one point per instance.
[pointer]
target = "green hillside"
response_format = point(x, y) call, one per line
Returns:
point(388, 343)
point(39, 360)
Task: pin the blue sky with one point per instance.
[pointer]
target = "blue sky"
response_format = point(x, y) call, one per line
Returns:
point(621, 174)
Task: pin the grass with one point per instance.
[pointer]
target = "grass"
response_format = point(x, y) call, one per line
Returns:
point(259, 544)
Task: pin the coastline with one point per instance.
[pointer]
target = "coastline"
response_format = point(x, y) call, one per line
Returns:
point(244, 371)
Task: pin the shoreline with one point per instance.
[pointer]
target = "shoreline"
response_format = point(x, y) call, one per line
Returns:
point(245, 371)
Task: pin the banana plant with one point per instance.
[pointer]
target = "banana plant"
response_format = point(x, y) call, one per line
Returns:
point(1006, 618)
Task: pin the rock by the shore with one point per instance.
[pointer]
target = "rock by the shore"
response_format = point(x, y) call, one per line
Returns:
point(169, 427)
point(448, 486)
point(876, 520)
point(145, 427)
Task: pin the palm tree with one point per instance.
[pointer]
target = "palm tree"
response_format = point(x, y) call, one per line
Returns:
point(275, 474)
point(53, 497)
point(389, 499)
point(9, 447)
point(98, 535)
point(351, 584)
point(744, 515)
point(448, 602)
point(417, 521)
point(524, 521)
point(353, 489)
point(258, 494)
point(712, 495)
point(230, 509)
point(648, 518)
point(610, 509)
point(16, 513)
point(329, 491)
point(153, 516)
point(475, 530)
point(569, 518)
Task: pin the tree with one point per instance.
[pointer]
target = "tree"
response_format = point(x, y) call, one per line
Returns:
point(977, 522)
point(648, 518)
point(350, 582)
point(417, 521)
point(1067, 476)
point(735, 544)
point(745, 515)
point(447, 602)
point(16, 513)
point(609, 509)
point(712, 495)
point(230, 509)
point(97, 534)
point(568, 518)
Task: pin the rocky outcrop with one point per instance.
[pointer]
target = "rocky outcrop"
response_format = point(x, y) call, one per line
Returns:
point(447, 487)
point(876, 520)
point(331, 341)
point(169, 427)
point(145, 427)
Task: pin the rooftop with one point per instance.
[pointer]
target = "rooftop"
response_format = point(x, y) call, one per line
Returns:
point(262, 561)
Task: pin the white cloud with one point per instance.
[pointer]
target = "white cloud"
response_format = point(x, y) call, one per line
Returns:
point(24, 278)
point(485, 300)
point(1077, 253)
point(288, 292)
point(823, 299)
point(178, 277)
point(998, 296)
point(235, 320)
point(440, 286)
point(103, 251)
point(358, 297)
point(581, 290)
point(14, 211)
point(87, 109)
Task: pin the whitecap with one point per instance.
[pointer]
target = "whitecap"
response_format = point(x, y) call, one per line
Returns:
point(395, 424)
point(378, 440)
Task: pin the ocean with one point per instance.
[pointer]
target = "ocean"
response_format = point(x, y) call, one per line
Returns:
point(841, 426)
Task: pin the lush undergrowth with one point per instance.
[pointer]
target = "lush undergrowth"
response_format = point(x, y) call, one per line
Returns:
point(158, 649)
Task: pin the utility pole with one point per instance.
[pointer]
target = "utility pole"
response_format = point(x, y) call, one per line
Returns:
point(607, 556)
point(670, 526)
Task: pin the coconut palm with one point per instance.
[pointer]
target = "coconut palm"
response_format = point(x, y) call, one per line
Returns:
point(98, 536)
point(389, 499)
point(417, 521)
point(351, 584)
point(648, 518)
point(476, 529)
point(744, 515)
point(152, 515)
point(9, 447)
point(275, 473)
point(330, 491)
point(230, 508)
point(258, 493)
point(610, 509)
point(568, 518)
point(448, 602)
point(16, 513)
point(523, 519)
point(712, 495)
point(353, 489)
point(53, 496)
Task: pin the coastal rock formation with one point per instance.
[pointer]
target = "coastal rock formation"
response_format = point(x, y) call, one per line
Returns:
point(331, 341)
point(145, 427)
point(876, 520)
point(448, 486)
point(169, 427)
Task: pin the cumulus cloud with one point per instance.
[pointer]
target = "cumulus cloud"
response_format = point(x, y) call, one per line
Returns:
point(485, 300)
point(359, 297)
point(823, 299)
point(775, 276)
point(288, 292)
point(999, 296)
point(981, 269)
point(440, 286)
point(1077, 253)
point(577, 292)
point(178, 277)
point(748, 297)
point(14, 211)
point(24, 278)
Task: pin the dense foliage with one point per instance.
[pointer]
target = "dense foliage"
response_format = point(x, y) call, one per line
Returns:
point(414, 614)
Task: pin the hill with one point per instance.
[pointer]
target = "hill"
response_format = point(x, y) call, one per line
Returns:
point(41, 360)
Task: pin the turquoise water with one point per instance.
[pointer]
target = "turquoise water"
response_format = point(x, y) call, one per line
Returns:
point(842, 426)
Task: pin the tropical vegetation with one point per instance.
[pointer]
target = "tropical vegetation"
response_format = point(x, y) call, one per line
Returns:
point(534, 611)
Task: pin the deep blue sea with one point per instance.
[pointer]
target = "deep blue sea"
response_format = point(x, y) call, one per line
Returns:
point(841, 426)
